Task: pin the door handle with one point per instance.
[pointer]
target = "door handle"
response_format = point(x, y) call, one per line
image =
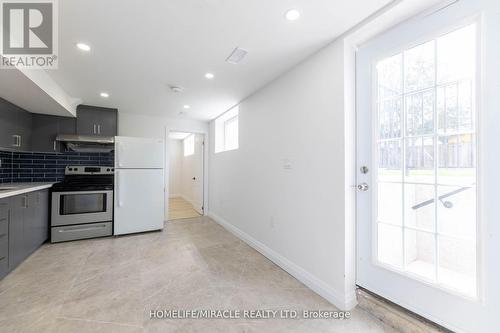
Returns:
point(363, 187)
point(17, 140)
point(118, 154)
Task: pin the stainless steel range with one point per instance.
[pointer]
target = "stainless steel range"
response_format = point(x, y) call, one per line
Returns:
point(82, 204)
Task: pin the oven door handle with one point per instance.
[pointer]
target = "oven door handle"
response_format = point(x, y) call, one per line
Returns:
point(82, 229)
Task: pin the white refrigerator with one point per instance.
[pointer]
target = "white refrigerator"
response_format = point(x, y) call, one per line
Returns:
point(139, 185)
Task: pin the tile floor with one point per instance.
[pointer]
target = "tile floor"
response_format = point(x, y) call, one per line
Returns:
point(178, 208)
point(111, 284)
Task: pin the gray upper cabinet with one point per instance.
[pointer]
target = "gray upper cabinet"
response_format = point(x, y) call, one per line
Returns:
point(45, 130)
point(8, 124)
point(15, 127)
point(25, 131)
point(24, 126)
point(93, 120)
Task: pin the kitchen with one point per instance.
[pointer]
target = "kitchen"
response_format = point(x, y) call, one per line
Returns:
point(66, 179)
point(331, 159)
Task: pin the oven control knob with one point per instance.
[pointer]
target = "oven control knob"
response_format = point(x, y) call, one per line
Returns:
point(108, 169)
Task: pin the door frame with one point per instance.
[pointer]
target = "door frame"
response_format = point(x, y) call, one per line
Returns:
point(352, 45)
point(204, 167)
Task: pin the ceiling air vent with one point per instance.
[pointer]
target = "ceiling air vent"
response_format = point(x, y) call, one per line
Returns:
point(236, 56)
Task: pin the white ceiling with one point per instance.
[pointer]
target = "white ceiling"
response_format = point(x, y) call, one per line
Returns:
point(139, 48)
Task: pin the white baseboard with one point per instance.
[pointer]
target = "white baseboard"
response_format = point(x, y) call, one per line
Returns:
point(196, 206)
point(341, 301)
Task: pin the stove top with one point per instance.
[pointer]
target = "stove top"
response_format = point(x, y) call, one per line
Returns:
point(86, 178)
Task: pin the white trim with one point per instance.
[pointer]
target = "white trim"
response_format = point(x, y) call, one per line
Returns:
point(196, 206)
point(342, 301)
point(206, 154)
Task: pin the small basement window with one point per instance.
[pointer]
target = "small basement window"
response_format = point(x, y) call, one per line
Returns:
point(226, 131)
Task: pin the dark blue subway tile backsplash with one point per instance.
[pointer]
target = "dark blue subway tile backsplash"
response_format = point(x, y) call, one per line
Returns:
point(17, 167)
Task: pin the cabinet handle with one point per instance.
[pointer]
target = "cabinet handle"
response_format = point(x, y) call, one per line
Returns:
point(98, 129)
point(17, 140)
point(20, 140)
point(94, 129)
point(25, 202)
point(55, 144)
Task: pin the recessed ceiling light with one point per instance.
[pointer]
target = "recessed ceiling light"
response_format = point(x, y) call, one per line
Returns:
point(83, 47)
point(104, 95)
point(292, 15)
point(209, 76)
point(186, 106)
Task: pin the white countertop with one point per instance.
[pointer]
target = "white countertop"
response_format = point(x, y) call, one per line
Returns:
point(21, 188)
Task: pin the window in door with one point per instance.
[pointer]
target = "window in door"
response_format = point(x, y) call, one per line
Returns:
point(427, 160)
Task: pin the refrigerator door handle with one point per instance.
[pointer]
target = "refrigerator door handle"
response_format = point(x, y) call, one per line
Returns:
point(118, 192)
point(119, 153)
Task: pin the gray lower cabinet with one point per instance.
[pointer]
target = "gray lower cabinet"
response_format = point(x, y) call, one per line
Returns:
point(4, 237)
point(27, 217)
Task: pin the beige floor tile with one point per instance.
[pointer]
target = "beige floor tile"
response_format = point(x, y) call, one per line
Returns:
point(111, 284)
point(66, 325)
point(178, 208)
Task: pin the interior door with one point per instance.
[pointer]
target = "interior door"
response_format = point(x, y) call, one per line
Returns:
point(197, 179)
point(418, 223)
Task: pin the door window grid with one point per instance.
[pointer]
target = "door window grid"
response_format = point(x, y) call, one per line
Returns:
point(421, 138)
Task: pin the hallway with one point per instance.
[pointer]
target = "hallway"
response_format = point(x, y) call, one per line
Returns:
point(110, 285)
point(178, 208)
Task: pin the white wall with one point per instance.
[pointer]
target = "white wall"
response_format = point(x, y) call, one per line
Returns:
point(131, 124)
point(175, 169)
point(138, 125)
point(284, 188)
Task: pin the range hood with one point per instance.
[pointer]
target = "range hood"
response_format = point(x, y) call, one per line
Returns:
point(87, 143)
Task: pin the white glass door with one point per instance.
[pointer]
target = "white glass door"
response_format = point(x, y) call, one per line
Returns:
point(418, 220)
point(425, 160)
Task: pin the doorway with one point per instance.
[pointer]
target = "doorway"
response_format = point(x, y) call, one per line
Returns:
point(418, 147)
point(186, 175)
